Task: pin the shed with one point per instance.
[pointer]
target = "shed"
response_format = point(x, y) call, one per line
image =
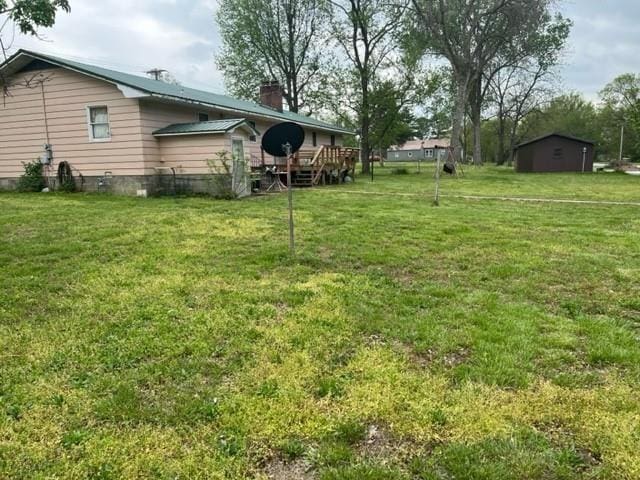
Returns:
point(555, 152)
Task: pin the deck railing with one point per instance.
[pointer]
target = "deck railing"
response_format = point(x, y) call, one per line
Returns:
point(318, 160)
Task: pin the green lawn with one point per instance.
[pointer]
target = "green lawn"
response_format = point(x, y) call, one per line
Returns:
point(491, 181)
point(174, 338)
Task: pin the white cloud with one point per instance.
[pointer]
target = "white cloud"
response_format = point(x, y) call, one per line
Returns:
point(178, 35)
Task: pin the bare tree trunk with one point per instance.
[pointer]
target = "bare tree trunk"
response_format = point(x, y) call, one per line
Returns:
point(458, 116)
point(512, 143)
point(476, 120)
point(502, 157)
point(365, 124)
point(365, 148)
point(477, 140)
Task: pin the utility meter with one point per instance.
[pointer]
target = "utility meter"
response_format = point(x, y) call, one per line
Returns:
point(47, 157)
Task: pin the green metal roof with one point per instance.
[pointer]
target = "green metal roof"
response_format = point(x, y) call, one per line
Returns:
point(164, 90)
point(199, 128)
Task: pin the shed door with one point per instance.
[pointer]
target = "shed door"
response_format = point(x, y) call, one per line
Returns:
point(239, 171)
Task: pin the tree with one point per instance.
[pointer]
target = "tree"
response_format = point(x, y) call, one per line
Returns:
point(391, 118)
point(368, 31)
point(28, 16)
point(516, 92)
point(518, 79)
point(621, 106)
point(435, 121)
point(470, 34)
point(570, 114)
point(273, 40)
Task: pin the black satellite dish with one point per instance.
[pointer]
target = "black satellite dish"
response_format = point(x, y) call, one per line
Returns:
point(277, 138)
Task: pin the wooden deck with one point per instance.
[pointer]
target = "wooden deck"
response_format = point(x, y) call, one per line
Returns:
point(311, 167)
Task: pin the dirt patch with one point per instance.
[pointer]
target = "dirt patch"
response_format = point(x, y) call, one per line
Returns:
point(457, 357)
point(299, 469)
point(376, 340)
point(590, 459)
point(380, 445)
point(422, 359)
point(325, 254)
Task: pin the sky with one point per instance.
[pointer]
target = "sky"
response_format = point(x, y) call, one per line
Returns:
point(181, 36)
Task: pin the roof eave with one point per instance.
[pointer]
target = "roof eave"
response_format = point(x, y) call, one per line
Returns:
point(151, 94)
point(249, 113)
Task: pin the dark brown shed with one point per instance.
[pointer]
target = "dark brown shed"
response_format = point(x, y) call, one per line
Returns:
point(555, 152)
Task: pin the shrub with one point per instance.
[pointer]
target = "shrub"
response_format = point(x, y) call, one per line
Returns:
point(221, 176)
point(33, 179)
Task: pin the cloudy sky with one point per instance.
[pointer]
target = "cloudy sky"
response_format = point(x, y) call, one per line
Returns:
point(181, 36)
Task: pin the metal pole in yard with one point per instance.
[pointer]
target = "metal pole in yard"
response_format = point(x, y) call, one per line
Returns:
point(436, 201)
point(621, 143)
point(287, 148)
point(584, 157)
point(371, 162)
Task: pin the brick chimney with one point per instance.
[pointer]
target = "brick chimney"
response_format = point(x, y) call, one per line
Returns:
point(271, 95)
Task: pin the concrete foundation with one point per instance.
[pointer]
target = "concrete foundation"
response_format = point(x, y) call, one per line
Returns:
point(146, 185)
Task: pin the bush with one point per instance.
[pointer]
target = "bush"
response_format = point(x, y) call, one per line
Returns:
point(32, 180)
point(221, 178)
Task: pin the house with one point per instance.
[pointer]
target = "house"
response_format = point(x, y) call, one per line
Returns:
point(130, 134)
point(419, 150)
point(555, 152)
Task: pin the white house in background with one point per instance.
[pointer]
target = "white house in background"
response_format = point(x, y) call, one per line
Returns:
point(419, 150)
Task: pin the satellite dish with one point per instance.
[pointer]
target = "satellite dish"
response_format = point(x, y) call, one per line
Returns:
point(276, 140)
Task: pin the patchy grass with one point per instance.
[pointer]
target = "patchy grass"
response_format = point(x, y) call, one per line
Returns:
point(174, 338)
point(503, 181)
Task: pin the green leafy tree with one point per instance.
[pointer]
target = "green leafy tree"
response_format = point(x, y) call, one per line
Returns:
point(518, 81)
point(390, 117)
point(621, 106)
point(370, 35)
point(471, 34)
point(274, 40)
point(570, 114)
point(28, 16)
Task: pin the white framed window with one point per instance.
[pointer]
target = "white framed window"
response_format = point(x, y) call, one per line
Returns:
point(98, 118)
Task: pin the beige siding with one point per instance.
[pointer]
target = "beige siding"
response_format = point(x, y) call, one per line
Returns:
point(67, 95)
point(155, 116)
point(189, 154)
point(132, 149)
point(158, 115)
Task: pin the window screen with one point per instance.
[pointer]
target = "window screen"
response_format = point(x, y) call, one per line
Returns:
point(99, 123)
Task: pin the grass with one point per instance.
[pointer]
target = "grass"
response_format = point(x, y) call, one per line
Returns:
point(503, 181)
point(174, 338)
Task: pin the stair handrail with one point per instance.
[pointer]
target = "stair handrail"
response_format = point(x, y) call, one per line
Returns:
point(321, 153)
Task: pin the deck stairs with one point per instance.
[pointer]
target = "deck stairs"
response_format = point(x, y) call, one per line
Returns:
point(314, 166)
